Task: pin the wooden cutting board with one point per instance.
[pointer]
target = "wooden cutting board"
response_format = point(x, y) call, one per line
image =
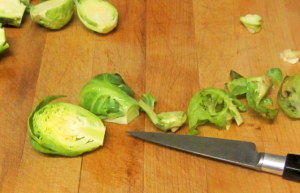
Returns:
point(169, 48)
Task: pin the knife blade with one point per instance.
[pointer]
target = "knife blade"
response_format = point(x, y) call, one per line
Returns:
point(236, 152)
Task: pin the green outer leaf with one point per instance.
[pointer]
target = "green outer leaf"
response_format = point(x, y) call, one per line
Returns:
point(289, 96)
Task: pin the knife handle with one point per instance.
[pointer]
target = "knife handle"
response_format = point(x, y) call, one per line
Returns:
point(291, 169)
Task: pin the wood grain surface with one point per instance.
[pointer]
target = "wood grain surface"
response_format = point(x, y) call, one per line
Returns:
point(170, 49)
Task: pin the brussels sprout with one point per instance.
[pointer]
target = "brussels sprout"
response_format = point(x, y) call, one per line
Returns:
point(252, 22)
point(290, 56)
point(289, 96)
point(164, 121)
point(108, 96)
point(97, 15)
point(3, 44)
point(255, 89)
point(64, 129)
point(53, 14)
point(215, 106)
point(11, 12)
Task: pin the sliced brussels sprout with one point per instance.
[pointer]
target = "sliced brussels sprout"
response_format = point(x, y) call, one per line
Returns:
point(252, 22)
point(215, 106)
point(11, 12)
point(53, 14)
point(289, 96)
point(164, 121)
point(108, 96)
point(97, 15)
point(290, 56)
point(64, 129)
point(255, 89)
point(3, 44)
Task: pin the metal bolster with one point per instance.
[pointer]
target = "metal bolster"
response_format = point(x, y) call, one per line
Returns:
point(272, 163)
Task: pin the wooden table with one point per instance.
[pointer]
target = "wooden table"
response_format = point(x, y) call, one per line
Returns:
point(169, 48)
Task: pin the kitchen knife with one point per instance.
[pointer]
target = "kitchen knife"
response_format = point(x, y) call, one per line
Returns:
point(235, 152)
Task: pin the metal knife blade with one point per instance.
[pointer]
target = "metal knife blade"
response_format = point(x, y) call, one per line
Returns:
point(236, 152)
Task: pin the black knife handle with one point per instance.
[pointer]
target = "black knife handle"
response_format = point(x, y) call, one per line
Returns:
point(291, 169)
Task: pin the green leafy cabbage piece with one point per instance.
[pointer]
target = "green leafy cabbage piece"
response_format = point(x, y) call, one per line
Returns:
point(11, 12)
point(255, 89)
point(164, 121)
point(289, 96)
point(3, 43)
point(64, 129)
point(215, 106)
point(97, 15)
point(53, 14)
point(109, 97)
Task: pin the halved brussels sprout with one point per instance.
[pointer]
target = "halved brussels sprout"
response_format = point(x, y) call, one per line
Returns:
point(53, 14)
point(3, 44)
point(11, 12)
point(97, 15)
point(252, 22)
point(64, 129)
